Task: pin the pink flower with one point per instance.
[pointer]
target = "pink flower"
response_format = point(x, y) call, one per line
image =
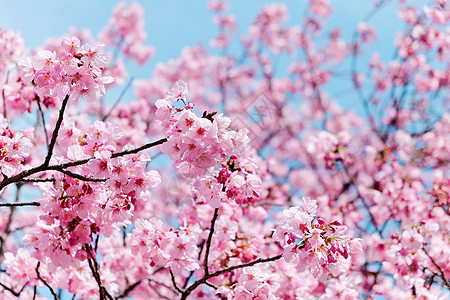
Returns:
point(71, 45)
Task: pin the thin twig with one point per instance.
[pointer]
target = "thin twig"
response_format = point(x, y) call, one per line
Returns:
point(44, 167)
point(208, 241)
point(364, 101)
point(162, 284)
point(32, 180)
point(56, 131)
point(95, 269)
point(45, 282)
point(157, 290)
point(175, 285)
point(43, 121)
point(81, 177)
point(118, 99)
point(442, 274)
point(200, 246)
point(352, 180)
point(4, 96)
point(11, 204)
point(17, 294)
point(226, 270)
point(128, 290)
point(7, 230)
point(136, 150)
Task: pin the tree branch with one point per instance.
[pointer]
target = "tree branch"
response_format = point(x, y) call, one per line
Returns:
point(208, 241)
point(10, 217)
point(56, 131)
point(43, 167)
point(12, 204)
point(17, 294)
point(81, 177)
point(45, 282)
point(32, 180)
point(43, 120)
point(442, 274)
point(93, 265)
point(118, 99)
point(133, 151)
point(175, 285)
point(226, 270)
point(128, 290)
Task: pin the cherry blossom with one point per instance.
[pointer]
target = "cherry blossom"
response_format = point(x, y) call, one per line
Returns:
point(242, 169)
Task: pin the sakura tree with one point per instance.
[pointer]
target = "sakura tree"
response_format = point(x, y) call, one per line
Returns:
point(230, 175)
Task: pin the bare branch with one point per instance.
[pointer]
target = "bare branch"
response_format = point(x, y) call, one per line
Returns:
point(81, 177)
point(118, 99)
point(93, 265)
point(442, 274)
point(133, 151)
point(44, 167)
point(17, 294)
point(208, 241)
point(11, 204)
point(43, 120)
point(10, 217)
point(4, 96)
point(175, 285)
point(157, 290)
point(226, 270)
point(45, 282)
point(32, 180)
point(56, 131)
point(128, 290)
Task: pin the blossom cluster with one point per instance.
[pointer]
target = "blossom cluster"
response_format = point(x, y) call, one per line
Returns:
point(15, 147)
point(199, 145)
point(125, 30)
point(11, 48)
point(77, 209)
point(163, 247)
point(312, 244)
point(77, 73)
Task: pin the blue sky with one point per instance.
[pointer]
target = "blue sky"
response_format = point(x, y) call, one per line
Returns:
point(170, 25)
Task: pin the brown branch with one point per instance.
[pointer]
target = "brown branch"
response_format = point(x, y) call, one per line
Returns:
point(4, 96)
point(43, 167)
point(352, 180)
point(175, 285)
point(51, 146)
point(11, 204)
point(45, 282)
point(156, 289)
point(204, 280)
point(208, 241)
point(442, 274)
point(32, 180)
point(200, 246)
point(128, 290)
point(162, 284)
point(10, 217)
point(133, 151)
point(43, 120)
point(93, 265)
point(17, 294)
point(226, 270)
point(81, 177)
point(118, 99)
